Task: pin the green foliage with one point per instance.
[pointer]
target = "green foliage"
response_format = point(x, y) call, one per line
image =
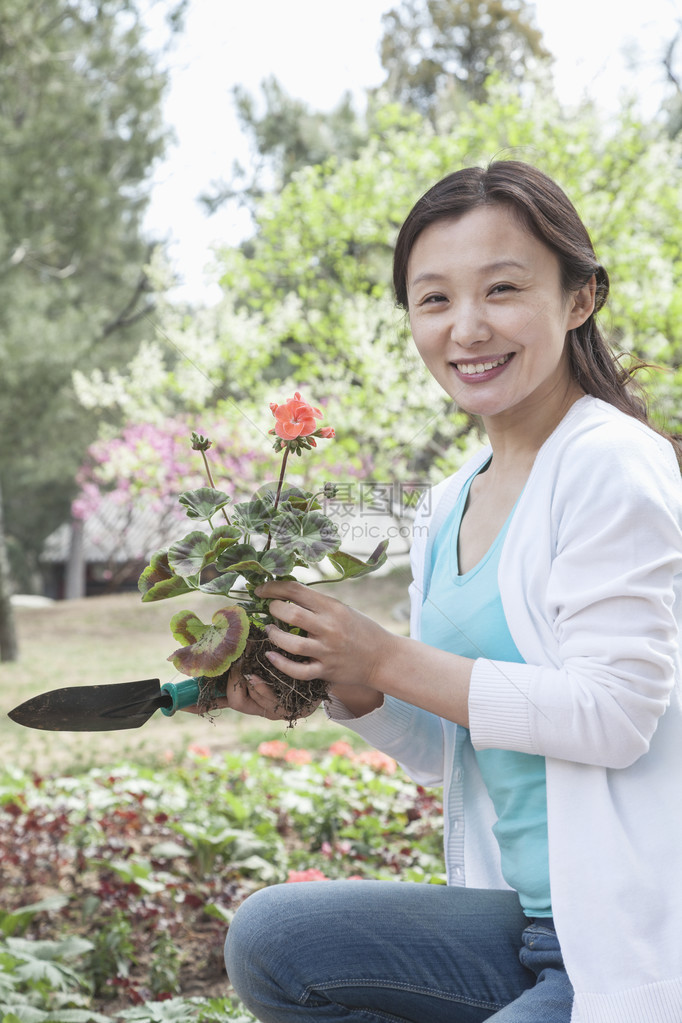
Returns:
point(18, 920)
point(151, 863)
point(285, 135)
point(80, 100)
point(112, 953)
point(317, 273)
point(164, 970)
point(38, 984)
point(309, 300)
point(431, 49)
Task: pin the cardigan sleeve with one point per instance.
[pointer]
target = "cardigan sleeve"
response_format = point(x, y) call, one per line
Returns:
point(411, 736)
point(604, 635)
point(414, 737)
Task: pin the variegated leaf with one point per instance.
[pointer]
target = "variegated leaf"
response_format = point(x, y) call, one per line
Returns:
point(203, 503)
point(312, 536)
point(352, 567)
point(222, 584)
point(158, 580)
point(209, 650)
point(253, 516)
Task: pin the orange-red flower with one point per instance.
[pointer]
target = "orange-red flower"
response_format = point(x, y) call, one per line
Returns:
point(376, 759)
point(341, 748)
point(311, 874)
point(298, 756)
point(275, 749)
point(295, 418)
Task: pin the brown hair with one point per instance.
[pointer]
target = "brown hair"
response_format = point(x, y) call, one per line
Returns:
point(547, 212)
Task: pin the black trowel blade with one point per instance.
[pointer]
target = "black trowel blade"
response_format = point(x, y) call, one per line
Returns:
point(104, 708)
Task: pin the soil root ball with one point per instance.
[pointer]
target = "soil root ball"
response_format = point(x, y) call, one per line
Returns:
point(296, 699)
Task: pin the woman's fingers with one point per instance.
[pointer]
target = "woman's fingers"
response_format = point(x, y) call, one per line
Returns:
point(288, 590)
point(303, 671)
point(299, 646)
point(293, 614)
point(251, 695)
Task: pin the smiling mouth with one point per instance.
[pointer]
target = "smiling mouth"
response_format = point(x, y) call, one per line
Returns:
point(472, 368)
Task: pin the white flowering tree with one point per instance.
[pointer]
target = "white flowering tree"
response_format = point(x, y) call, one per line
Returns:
point(308, 302)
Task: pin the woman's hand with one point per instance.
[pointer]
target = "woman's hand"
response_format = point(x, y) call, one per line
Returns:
point(341, 646)
point(249, 694)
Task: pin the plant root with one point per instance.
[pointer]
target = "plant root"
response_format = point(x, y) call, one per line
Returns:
point(297, 699)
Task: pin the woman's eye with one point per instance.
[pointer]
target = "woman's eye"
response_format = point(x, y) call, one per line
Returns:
point(501, 288)
point(431, 299)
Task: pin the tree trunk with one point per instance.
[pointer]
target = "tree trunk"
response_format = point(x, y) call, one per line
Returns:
point(75, 566)
point(9, 650)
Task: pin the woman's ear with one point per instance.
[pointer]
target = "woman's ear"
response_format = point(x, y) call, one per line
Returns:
point(582, 303)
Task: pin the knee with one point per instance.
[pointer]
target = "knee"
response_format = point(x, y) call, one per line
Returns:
point(251, 942)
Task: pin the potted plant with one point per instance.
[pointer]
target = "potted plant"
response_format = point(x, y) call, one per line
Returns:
point(280, 529)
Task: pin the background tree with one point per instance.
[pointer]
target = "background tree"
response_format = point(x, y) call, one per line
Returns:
point(81, 128)
point(285, 134)
point(309, 306)
point(672, 65)
point(437, 55)
point(435, 48)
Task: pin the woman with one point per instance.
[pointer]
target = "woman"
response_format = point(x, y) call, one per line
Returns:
point(541, 682)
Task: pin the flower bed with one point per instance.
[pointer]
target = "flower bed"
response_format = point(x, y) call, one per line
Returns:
point(118, 885)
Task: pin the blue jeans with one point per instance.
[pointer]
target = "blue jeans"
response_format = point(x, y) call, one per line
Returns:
point(394, 952)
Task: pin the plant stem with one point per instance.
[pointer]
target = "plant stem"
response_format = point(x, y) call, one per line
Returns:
point(281, 477)
point(279, 490)
point(312, 500)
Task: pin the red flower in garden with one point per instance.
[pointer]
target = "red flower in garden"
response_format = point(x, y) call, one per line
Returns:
point(298, 756)
point(311, 874)
point(295, 418)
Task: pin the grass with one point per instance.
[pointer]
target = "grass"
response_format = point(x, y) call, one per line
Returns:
point(116, 639)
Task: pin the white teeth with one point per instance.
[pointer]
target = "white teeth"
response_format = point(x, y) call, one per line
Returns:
point(471, 368)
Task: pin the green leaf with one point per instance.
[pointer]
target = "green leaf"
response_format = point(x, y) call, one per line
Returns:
point(158, 581)
point(203, 503)
point(245, 560)
point(352, 567)
point(23, 1013)
point(221, 913)
point(209, 649)
point(254, 516)
point(169, 851)
point(290, 495)
point(19, 919)
point(67, 948)
point(242, 559)
point(186, 627)
point(236, 555)
point(172, 1010)
point(311, 536)
point(195, 551)
point(188, 556)
point(231, 533)
point(221, 585)
point(277, 562)
point(76, 1016)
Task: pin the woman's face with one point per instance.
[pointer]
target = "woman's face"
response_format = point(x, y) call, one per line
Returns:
point(488, 314)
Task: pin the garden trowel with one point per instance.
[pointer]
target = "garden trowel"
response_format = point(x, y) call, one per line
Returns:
point(105, 708)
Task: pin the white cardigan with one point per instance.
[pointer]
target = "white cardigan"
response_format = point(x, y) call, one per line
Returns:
point(591, 579)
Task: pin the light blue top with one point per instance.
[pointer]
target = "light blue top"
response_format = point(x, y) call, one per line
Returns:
point(463, 614)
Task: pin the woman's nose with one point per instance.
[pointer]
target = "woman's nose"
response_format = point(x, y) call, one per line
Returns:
point(468, 325)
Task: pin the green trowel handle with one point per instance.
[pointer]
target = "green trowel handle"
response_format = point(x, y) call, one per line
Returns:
point(183, 694)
